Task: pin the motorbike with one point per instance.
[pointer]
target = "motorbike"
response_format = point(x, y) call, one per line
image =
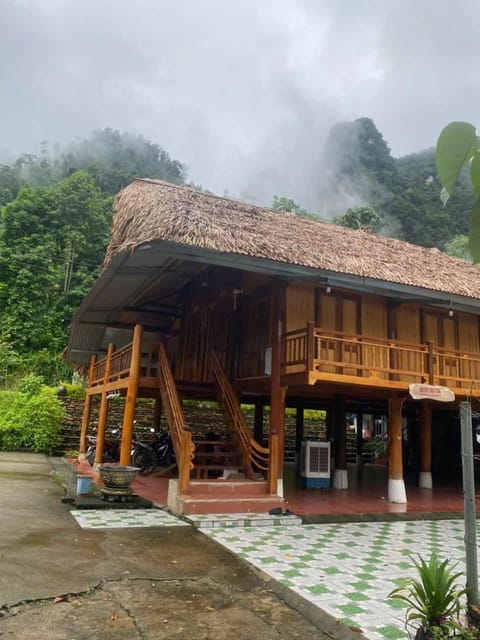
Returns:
point(111, 448)
point(158, 453)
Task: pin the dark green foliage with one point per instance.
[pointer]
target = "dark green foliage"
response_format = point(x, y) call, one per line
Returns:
point(114, 159)
point(458, 248)
point(51, 248)
point(287, 204)
point(360, 218)
point(30, 420)
point(54, 229)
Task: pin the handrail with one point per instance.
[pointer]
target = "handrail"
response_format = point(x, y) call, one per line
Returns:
point(336, 352)
point(181, 436)
point(252, 452)
point(119, 366)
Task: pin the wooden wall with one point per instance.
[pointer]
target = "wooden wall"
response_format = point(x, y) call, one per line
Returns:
point(209, 322)
point(376, 317)
point(230, 311)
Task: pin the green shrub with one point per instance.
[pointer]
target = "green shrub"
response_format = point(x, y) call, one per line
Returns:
point(71, 390)
point(433, 598)
point(30, 422)
point(30, 385)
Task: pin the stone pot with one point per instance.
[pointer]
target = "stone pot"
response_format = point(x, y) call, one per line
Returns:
point(117, 479)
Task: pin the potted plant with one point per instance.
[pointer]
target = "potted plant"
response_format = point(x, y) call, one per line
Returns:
point(433, 599)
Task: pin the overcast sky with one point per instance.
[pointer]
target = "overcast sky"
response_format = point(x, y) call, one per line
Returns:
point(241, 91)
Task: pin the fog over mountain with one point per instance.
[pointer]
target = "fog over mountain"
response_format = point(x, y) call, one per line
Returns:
point(243, 92)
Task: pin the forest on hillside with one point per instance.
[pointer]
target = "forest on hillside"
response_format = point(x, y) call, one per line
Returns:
point(55, 216)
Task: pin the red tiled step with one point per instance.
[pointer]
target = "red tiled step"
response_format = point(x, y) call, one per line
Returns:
point(228, 488)
point(204, 504)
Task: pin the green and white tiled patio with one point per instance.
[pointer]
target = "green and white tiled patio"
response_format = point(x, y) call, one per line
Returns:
point(346, 569)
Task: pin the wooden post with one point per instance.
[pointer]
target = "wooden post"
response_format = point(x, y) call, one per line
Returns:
point(185, 460)
point(299, 429)
point(86, 412)
point(425, 477)
point(430, 363)
point(273, 465)
point(131, 399)
point(102, 414)
point(310, 345)
point(359, 443)
point(157, 414)
point(396, 483)
point(340, 476)
point(258, 423)
point(277, 393)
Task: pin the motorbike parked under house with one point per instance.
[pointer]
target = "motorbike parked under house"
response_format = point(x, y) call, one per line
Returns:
point(158, 453)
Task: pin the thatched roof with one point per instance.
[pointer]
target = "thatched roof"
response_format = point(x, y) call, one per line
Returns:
point(152, 210)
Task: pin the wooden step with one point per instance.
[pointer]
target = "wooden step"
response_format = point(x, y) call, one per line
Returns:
point(203, 470)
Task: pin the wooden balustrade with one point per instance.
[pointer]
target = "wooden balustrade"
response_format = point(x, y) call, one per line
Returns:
point(253, 453)
point(333, 352)
point(181, 436)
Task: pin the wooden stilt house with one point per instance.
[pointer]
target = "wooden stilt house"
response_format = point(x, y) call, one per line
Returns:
point(203, 297)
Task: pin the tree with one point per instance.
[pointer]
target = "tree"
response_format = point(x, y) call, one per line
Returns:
point(458, 145)
point(114, 159)
point(51, 248)
point(365, 218)
point(287, 204)
point(458, 248)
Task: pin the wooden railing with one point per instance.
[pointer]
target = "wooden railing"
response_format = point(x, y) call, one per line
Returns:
point(120, 365)
point(181, 436)
point(336, 353)
point(252, 452)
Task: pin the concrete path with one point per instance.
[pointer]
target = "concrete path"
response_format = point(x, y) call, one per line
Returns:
point(343, 570)
point(60, 581)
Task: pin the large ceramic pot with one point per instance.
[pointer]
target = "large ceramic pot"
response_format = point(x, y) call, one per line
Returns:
point(117, 479)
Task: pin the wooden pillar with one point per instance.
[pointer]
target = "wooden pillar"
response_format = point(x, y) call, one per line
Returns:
point(277, 397)
point(131, 399)
point(396, 483)
point(157, 414)
point(359, 457)
point(299, 429)
point(86, 412)
point(330, 436)
point(258, 422)
point(340, 476)
point(425, 476)
point(102, 414)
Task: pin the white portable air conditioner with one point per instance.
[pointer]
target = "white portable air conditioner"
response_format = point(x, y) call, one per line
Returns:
point(315, 464)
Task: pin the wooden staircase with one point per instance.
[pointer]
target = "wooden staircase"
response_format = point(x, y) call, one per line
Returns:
point(215, 476)
point(217, 458)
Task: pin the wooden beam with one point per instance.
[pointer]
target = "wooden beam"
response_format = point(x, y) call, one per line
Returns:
point(131, 399)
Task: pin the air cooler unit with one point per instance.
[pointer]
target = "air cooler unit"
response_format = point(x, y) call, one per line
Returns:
point(315, 464)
